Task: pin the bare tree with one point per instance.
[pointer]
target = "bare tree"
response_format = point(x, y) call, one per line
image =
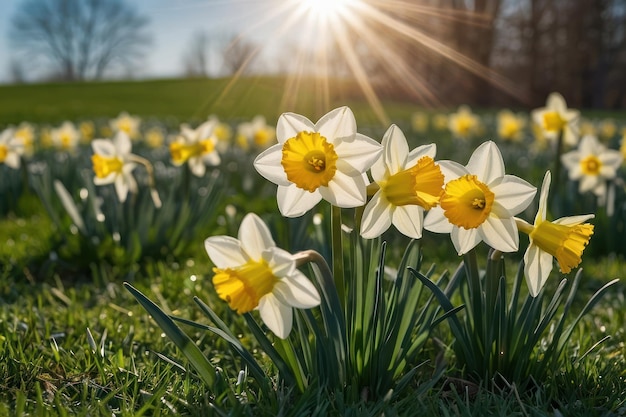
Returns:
point(80, 39)
point(238, 55)
point(196, 58)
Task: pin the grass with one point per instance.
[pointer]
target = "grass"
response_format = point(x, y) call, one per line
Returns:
point(80, 344)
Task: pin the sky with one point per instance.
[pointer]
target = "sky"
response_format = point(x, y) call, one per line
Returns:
point(172, 24)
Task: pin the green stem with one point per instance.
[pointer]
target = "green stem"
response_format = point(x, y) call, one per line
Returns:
point(337, 252)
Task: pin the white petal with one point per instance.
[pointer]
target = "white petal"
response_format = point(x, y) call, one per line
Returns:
point(376, 217)
point(197, 167)
point(543, 198)
point(574, 220)
point(486, 162)
point(571, 160)
point(294, 201)
point(225, 251)
point(464, 239)
point(500, 234)
point(268, 164)
point(420, 152)
point(121, 188)
point(396, 149)
point(281, 262)
point(556, 102)
point(212, 159)
point(122, 143)
point(588, 183)
point(12, 160)
point(589, 145)
point(612, 160)
point(437, 222)
point(290, 124)
point(255, 237)
point(103, 147)
point(297, 291)
point(537, 267)
point(451, 170)
point(337, 124)
point(408, 220)
point(513, 193)
point(345, 191)
point(357, 156)
point(109, 179)
point(277, 316)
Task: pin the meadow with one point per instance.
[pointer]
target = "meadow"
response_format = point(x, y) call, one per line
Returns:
point(76, 340)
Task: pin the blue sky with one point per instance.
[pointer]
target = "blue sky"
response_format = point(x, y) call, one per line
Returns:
point(172, 23)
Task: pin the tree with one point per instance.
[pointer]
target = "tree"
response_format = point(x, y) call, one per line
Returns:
point(238, 55)
point(196, 58)
point(79, 39)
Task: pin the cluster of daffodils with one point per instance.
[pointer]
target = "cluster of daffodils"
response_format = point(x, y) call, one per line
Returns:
point(329, 160)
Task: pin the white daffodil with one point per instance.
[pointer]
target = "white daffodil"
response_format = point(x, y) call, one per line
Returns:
point(25, 132)
point(257, 133)
point(111, 164)
point(555, 118)
point(592, 164)
point(11, 148)
point(65, 137)
point(326, 160)
point(563, 239)
point(410, 182)
point(463, 124)
point(510, 126)
point(126, 123)
point(197, 147)
point(479, 201)
point(251, 273)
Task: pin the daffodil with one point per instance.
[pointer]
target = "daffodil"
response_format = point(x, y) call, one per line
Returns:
point(463, 124)
point(607, 129)
point(257, 132)
point(196, 147)
point(510, 126)
point(592, 164)
point(112, 164)
point(223, 132)
point(563, 239)
point(410, 182)
point(126, 123)
point(252, 273)
point(11, 148)
point(154, 137)
point(326, 160)
point(87, 130)
point(555, 119)
point(25, 132)
point(65, 137)
point(479, 201)
point(419, 121)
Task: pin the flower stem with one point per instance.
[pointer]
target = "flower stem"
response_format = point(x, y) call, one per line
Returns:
point(151, 182)
point(337, 252)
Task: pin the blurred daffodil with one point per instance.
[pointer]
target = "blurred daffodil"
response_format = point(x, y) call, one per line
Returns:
point(126, 123)
point(555, 119)
point(592, 164)
point(463, 124)
point(112, 164)
point(563, 239)
point(326, 160)
point(257, 132)
point(479, 201)
point(419, 122)
point(510, 126)
point(65, 137)
point(154, 137)
point(196, 147)
point(11, 148)
point(87, 131)
point(410, 182)
point(607, 129)
point(25, 132)
point(223, 132)
point(252, 273)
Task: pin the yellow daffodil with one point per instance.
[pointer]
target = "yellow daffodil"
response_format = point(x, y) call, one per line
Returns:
point(112, 166)
point(257, 133)
point(410, 182)
point(479, 201)
point(555, 119)
point(607, 129)
point(65, 137)
point(592, 164)
point(463, 124)
point(126, 123)
point(197, 147)
point(587, 128)
point(510, 126)
point(440, 121)
point(252, 273)
point(87, 131)
point(154, 137)
point(563, 239)
point(419, 122)
point(223, 132)
point(326, 160)
point(11, 148)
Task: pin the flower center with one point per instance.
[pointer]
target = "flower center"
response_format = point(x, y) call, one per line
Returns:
point(591, 165)
point(103, 166)
point(565, 243)
point(4, 151)
point(419, 185)
point(466, 202)
point(125, 126)
point(66, 140)
point(553, 122)
point(181, 152)
point(242, 287)
point(309, 160)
